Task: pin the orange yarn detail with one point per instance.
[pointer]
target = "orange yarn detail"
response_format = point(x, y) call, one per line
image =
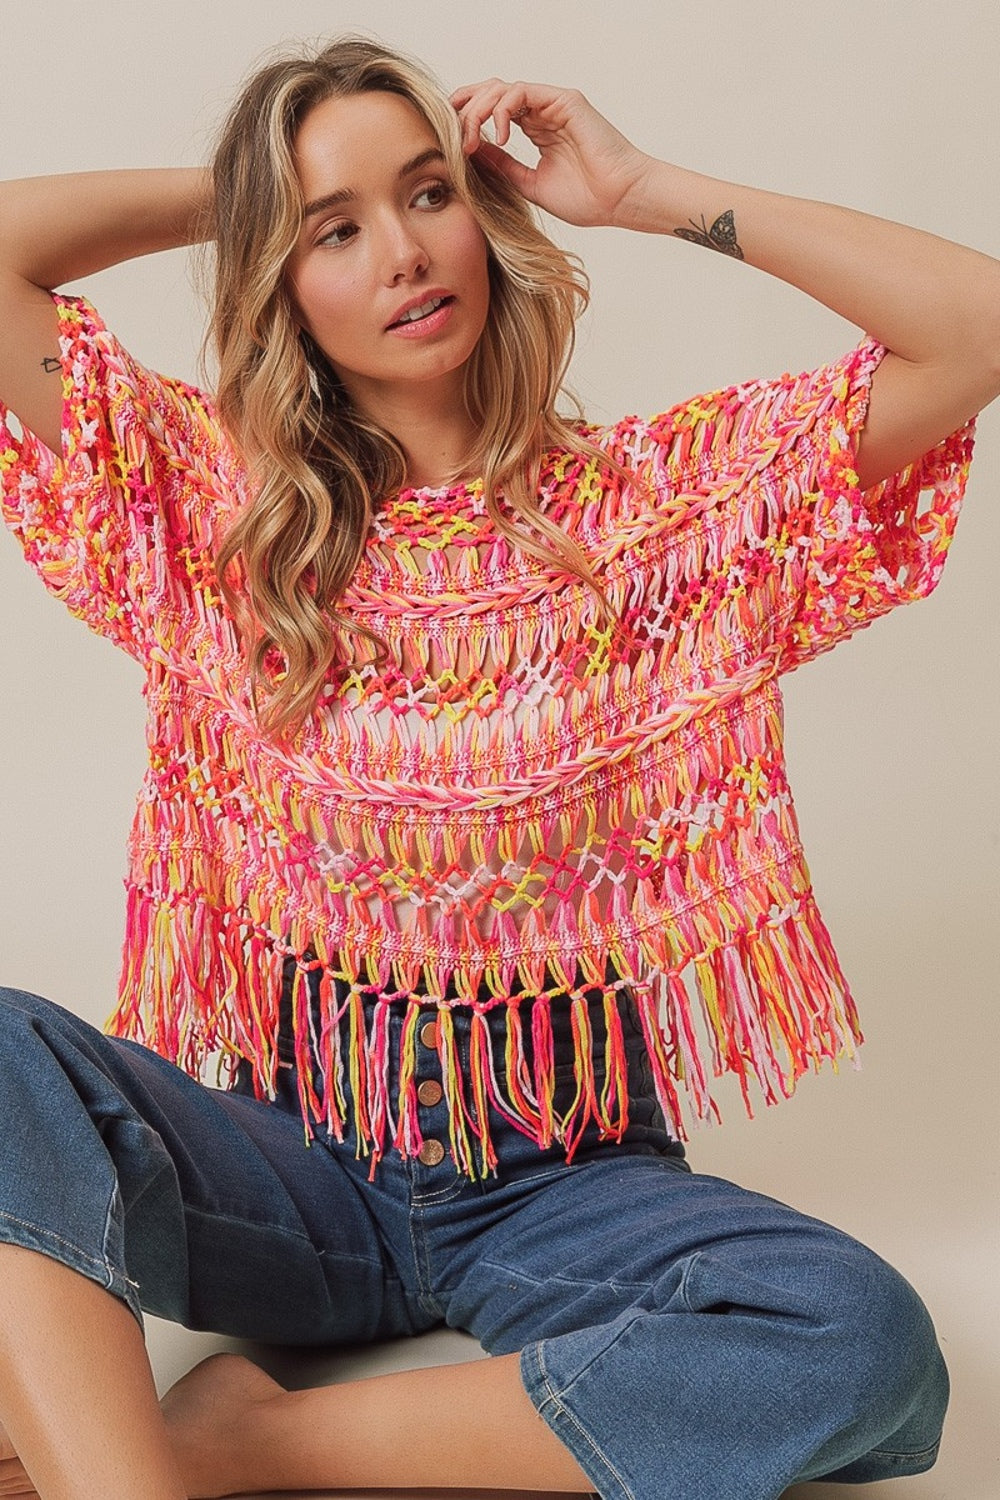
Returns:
point(520, 806)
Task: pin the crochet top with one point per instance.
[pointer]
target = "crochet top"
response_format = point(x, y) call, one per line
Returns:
point(520, 806)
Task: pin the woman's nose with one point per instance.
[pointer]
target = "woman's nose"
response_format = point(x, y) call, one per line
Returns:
point(404, 254)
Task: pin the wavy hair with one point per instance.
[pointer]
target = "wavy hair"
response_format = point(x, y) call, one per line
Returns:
point(320, 466)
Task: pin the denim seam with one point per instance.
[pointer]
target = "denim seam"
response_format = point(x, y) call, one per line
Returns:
point(323, 1252)
point(910, 1455)
point(553, 1398)
point(575, 1281)
point(686, 1275)
point(435, 1196)
point(109, 1229)
point(193, 1211)
point(168, 1168)
point(50, 1234)
point(421, 1253)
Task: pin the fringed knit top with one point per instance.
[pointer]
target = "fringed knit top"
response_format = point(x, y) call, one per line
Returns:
point(520, 808)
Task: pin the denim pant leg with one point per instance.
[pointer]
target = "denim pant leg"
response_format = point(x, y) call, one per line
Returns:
point(197, 1205)
point(682, 1336)
point(685, 1337)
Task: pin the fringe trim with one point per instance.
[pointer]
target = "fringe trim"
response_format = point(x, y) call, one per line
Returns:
point(766, 1004)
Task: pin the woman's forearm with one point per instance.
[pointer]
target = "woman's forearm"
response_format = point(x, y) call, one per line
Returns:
point(54, 230)
point(927, 299)
point(933, 304)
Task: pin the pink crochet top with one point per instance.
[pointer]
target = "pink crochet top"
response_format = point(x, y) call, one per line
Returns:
point(518, 808)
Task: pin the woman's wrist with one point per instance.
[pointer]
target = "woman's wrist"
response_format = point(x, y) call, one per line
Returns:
point(665, 199)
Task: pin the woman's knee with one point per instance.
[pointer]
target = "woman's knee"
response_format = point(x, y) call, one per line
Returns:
point(883, 1340)
point(852, 1327)
point(22, 1017)
point(32, 1029)
point(14, 1003)
point(20, 1009)
point(54, 1078)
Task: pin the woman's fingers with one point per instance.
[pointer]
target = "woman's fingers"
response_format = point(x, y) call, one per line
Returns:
point(516, 172)
point(480, 102)
point(584, 165)
point(497, 100)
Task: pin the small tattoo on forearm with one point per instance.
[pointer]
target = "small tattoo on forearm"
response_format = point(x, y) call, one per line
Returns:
point(50, 365)
point(721, 236)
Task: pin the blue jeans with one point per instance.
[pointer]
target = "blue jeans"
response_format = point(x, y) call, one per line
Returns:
point(681, 1336)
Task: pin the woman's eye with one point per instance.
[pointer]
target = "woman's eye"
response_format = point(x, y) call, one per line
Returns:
point(437, 192)
point(339, 234)
point(434, 195)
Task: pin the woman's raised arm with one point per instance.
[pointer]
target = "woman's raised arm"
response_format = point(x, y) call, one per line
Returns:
point(934, 305)
point(54, 230)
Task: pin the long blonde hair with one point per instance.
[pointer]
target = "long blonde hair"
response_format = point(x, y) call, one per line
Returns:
point(320, 467)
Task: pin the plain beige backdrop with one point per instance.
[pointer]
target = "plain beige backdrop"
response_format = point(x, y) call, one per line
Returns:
point(888, 105)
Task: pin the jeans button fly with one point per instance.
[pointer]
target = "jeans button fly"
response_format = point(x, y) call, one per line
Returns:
point(430, 1092)
point(429, 1034)
point(431, 1154)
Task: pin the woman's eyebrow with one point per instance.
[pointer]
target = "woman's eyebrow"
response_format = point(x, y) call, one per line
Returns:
point(345, 195)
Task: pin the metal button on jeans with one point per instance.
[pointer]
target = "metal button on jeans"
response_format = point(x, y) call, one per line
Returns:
point(430, 1092)
point(429, 1034)
point(431, 1154)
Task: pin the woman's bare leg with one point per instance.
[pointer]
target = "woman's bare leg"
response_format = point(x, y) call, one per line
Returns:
point(79, 1405)
point(466, 1427)
point(77, 1397)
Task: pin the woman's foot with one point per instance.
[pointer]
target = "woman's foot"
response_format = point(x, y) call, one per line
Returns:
point(210, 1417)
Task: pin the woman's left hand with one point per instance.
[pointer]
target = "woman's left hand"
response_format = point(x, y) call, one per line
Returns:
point(586, 167)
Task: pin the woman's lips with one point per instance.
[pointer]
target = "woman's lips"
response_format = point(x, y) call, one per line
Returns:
point(423, 326)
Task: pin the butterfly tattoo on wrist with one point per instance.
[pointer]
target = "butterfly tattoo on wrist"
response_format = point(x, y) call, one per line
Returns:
point(721, 236)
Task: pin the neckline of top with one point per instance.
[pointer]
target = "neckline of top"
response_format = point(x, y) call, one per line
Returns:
point(437, 491)
point(473, 488)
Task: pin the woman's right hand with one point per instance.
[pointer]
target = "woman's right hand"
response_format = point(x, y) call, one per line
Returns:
point(585, 166)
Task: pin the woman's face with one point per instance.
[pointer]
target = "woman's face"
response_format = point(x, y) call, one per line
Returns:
point(383, 234)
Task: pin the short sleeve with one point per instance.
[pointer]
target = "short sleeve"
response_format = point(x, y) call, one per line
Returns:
point(775, 545)
point(116, 523)
point(855, 554)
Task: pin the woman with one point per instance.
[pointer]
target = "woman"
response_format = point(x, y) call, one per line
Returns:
point(465, 756)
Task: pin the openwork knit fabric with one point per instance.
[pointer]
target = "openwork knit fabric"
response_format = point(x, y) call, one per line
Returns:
point(521, 812)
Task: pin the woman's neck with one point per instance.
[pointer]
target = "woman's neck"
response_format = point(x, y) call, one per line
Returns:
point(432, 427)
point(437, 453)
